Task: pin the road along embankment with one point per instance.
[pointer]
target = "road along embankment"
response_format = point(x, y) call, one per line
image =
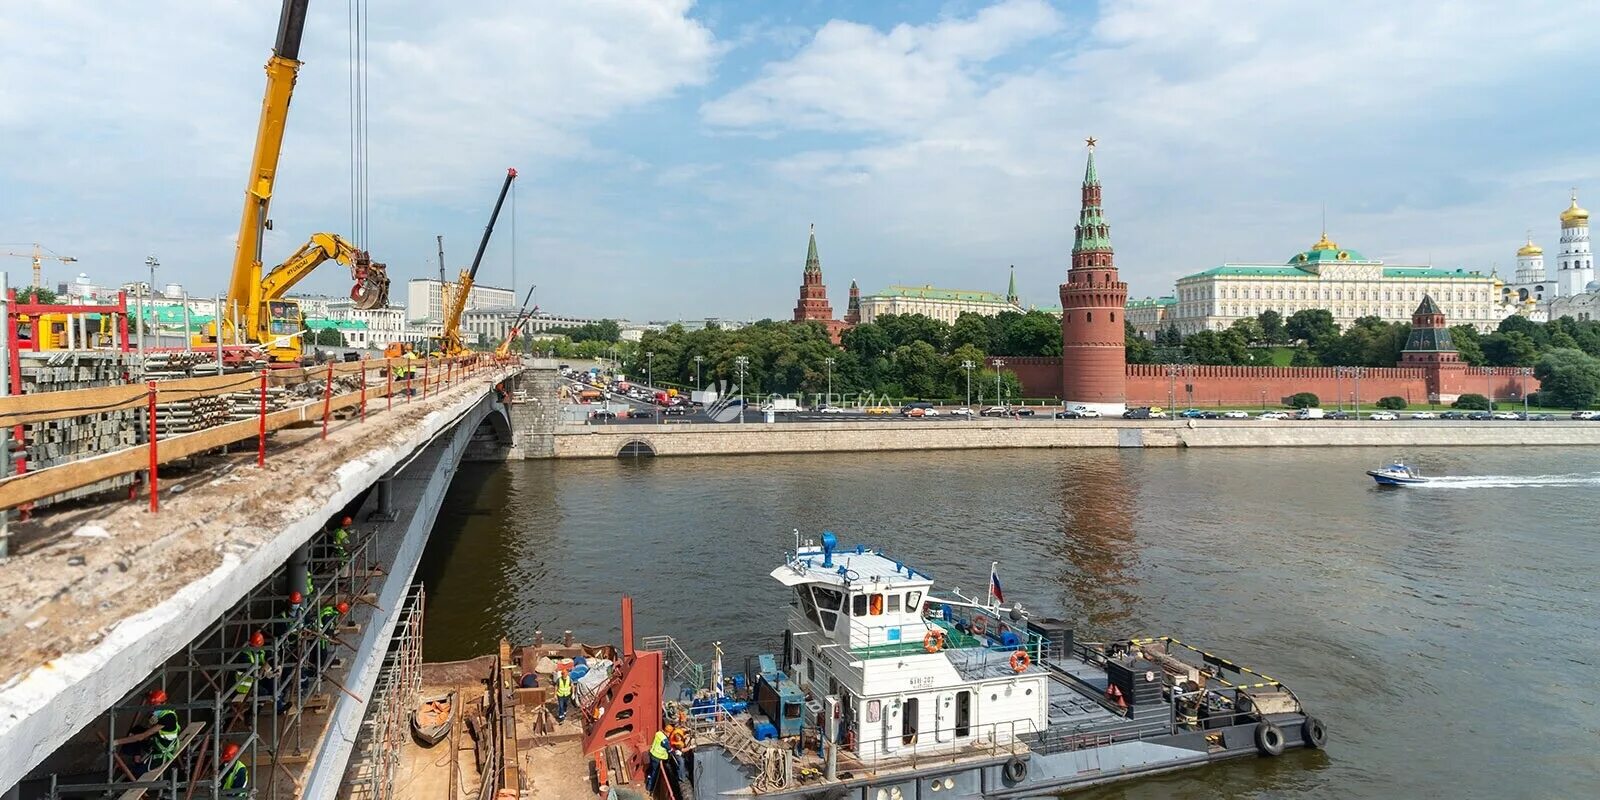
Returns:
point(689, 439)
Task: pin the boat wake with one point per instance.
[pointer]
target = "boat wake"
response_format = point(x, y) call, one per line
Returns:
point(1511, 481)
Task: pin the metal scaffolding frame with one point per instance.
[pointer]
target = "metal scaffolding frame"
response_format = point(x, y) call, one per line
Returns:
point(261, 696)
point(386, 727)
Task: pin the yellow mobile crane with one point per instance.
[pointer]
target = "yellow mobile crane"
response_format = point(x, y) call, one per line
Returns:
point(450, 340)
point(256, 311)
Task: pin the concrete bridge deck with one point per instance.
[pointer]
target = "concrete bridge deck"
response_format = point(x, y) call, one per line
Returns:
point(103, 595)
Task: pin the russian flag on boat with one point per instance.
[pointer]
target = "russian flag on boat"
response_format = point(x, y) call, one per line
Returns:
point(994, 584)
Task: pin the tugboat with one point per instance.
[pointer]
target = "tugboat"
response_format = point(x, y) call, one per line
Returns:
point(1396, 473)
point(884, 689)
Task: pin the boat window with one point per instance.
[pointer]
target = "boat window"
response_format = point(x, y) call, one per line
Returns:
point(791, 710)
point(858, 605)
point(908, 721)
point(913, 601)
point(963, 713)
point(874, 710)
point(894, 602)
point(876, 605)
point(808, 605)
point(829, 599)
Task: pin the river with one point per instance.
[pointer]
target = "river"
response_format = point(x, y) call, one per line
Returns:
point(1449, 636)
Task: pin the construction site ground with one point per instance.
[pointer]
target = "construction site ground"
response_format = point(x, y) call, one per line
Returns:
point(80, 571)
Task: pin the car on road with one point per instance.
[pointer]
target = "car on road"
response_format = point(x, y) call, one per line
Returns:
point(1585, 414)
point(677, 411)
point(996, 411)
point(1272, 415)
point(1137, 413)
point(879, 411)
point(1507, 415)
point(961, 412)
point(930, 412)
point(1236, 415)
point(1338, 415)
point(1068, 414)
point(1424, 415)
point(830, 410)
point(1382, 416)
point(1086, 412)
point(1191, 413)
point(1480, 416)
point(1453, 415)
point(602, 413)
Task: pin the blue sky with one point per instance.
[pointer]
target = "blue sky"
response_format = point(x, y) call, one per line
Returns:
point(672, 153)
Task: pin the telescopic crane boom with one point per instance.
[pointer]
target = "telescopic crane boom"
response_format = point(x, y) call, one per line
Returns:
point(450, 341)
point(256, 310)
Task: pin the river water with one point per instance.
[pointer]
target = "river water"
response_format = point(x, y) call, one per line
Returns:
point(1449, 635)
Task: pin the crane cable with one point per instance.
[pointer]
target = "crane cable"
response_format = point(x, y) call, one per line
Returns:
point(356, 50)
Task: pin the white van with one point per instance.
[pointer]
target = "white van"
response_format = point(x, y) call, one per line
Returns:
point(1308, 413)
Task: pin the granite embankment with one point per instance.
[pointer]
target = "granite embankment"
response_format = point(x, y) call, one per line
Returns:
point(607, 441)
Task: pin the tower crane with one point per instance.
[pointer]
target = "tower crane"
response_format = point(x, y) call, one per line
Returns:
point(39, 254)
point(257, 310)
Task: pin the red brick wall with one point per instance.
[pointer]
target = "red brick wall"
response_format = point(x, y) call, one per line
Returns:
point(1148, 384)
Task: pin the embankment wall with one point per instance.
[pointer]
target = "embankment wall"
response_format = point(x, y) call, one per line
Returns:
point(603, 441)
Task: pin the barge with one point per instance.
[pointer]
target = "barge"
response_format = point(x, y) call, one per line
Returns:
point(885, 690)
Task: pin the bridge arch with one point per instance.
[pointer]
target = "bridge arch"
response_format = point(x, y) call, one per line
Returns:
point(636, 448)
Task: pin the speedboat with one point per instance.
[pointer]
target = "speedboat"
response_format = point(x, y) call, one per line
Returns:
point(1396, 474)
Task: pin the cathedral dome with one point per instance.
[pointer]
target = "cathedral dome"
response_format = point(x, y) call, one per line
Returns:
point(1592, 288)
point(1530, 249)
point(1575, 216)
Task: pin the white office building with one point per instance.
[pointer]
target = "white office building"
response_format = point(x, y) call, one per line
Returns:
point(425, 298)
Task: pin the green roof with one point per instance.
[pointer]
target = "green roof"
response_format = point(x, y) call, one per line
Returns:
point(173, 315)
point(1275, 270)
point(336, 324)
point(1285, 271)
point(1432, 272)
point(1144, 302)
point(931, 293)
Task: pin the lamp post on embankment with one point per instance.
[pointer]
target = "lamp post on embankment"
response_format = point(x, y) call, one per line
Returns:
point(967, 365)
point(997, 364)
point(697, 360)
point(1355, 373)
point(829, 362)
point(1525, 372)
point(741, 362)
point(1488, 385)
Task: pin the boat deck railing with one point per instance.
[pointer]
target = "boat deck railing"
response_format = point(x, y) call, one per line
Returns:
point(893, 641)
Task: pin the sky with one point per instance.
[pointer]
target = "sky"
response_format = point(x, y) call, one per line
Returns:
point(671, 154)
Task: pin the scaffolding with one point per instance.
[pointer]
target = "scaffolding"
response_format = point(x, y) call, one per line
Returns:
point(270, 701)
point(372, 772)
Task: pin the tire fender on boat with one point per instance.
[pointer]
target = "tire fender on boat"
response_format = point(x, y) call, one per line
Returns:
point(1015, 770)
point(1269, 739)
point(1315, 733)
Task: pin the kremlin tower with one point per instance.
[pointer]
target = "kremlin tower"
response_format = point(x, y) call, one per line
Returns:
point(1093, 362)
point(852, 312)
point(1430, 349)
point(1575, 264)
point(813, 305)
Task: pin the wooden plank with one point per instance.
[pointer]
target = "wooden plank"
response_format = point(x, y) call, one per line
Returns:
point(44, 406)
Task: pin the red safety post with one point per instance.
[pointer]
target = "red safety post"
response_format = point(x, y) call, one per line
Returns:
point(327, 401)
point(388, 388)
point(363, 390)
point(261, 437)
point(154, 457)
point(425, 377)
point(410, 392)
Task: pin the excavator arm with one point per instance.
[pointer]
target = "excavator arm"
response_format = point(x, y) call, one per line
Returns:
point(371, 279)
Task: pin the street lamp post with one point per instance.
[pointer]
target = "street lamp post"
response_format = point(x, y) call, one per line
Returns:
point(650, 369)
point(829, 362)
point(1488, 384)
point(741, 362)
point(697, 360)
point(1525, 371)
point(967, 365)
point(1357, 373)
point(997, 364)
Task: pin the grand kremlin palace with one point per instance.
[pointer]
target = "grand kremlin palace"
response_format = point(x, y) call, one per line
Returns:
point(1340, 280)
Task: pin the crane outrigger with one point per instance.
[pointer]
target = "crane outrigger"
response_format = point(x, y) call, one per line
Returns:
point(257, 311)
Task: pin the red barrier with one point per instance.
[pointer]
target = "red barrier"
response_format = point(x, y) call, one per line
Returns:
point(327, 401)
point(363, 390)
point(388, 386)
point(425, 378)
point(154, 459)
point(261, 439)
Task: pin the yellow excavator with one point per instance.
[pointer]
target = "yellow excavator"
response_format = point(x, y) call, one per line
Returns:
point(450, 339)
point(256, 312)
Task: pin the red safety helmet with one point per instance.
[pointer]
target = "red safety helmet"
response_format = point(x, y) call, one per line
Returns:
point(229, 751)
point(346, 521)
point(344, 608)
point(258, 639)
point(296, 598)
point(157, 696)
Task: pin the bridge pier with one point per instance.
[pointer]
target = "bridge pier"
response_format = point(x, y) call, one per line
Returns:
point(534, 410)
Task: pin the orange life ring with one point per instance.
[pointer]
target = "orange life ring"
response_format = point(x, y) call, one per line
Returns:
point(933, 642)
point(1020, 661)
point(1115, 695)
point(979, 625)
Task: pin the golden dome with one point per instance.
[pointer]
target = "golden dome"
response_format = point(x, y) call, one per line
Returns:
point(1530, 249)
point(1327, 244)
point(1575, 216)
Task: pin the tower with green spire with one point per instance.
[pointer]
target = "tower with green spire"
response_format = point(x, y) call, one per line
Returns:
point(1011, 288)
point(1093, 363)
point(813, 305)
point(852, 312)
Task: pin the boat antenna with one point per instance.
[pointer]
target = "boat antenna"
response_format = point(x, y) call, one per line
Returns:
point(797, 541)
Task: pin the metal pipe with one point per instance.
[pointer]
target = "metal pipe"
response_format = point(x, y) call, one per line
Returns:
point(216, 327)
point(298, 572)
point(5, 389)
point(187, 344)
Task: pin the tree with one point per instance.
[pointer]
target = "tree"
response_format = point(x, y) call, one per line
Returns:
point(1468, 344)
point(867, 341)
point(1169, 336)
point(1032, 334)
point(605, 330)
point(903, 329)
point(1392, 402)
point(1568, 377)
point(1511, 349)
point(1310, 324)
point(329, 337)
point(919, 369)
point(40, 296)
point(1304, 400)
point(1137, 349)
point(1473, 402)
point(1249, 329)
point(1210, 347)
point(1272, 330)
point(971, 329)
point(1303, 357)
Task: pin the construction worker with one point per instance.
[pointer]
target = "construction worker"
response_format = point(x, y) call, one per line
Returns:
point(563, 694)
point(235, 776)
point(341, 540)
point(327, 623)
point(658, 761)
point(255, 663)
point(157, 743)
point(675, 743)
point(686, 766)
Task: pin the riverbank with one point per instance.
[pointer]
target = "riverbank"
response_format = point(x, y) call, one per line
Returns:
point(682, 439)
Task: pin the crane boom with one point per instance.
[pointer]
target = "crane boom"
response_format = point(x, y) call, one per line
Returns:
point(450, 342)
